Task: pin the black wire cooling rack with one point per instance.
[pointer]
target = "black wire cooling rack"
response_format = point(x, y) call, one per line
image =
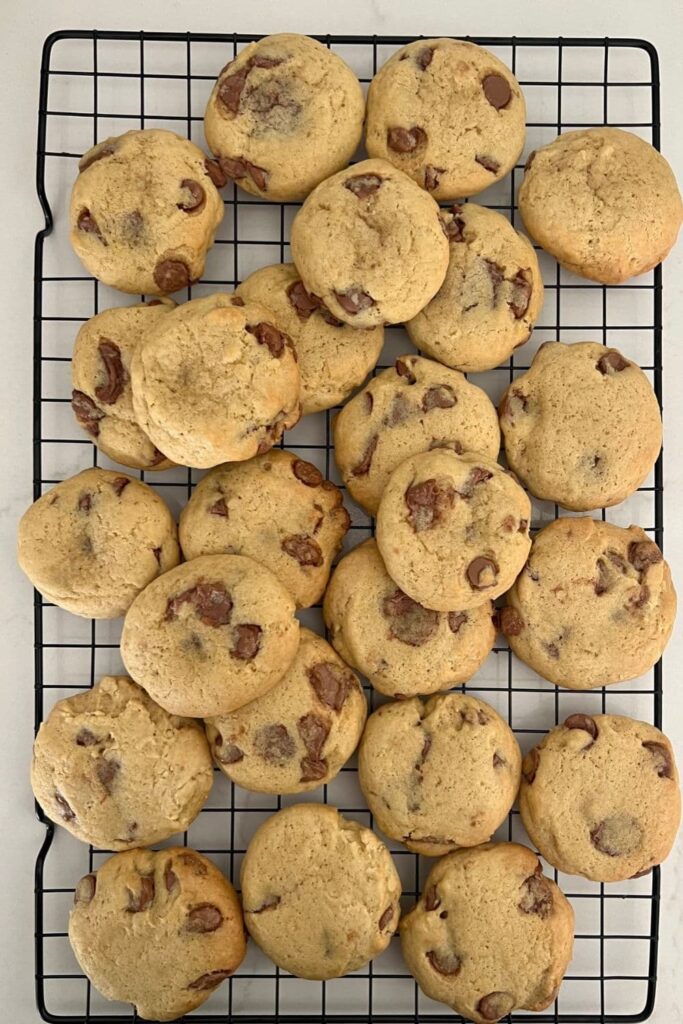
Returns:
point(95, 84)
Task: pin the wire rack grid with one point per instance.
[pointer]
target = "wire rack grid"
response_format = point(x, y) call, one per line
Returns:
point(95, 84)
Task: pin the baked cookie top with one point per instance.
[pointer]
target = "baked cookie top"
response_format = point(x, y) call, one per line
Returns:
point(284, 114)
point(214, 381)
point(144, 211)
point(449, 114)
point(453, 530)
point(91, 543)
point(492, 295)
point(582, 427)
point(412, 407)
point(117, 770)
point(334, 358)
point(440, 774)
point(210, 635)
point(595, 604)
point(371, 245)
point(600, 797)
point(603, 202)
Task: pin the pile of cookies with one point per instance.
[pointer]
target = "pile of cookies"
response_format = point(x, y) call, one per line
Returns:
point(220, 672)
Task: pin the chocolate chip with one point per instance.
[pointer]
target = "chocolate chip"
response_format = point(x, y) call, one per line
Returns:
point(157, 457)
point(495, 272)
point(552, 650)
point(209, 981)
point(385, 918)
point(116, 376)
point(638, 598)
point(498, 761)
point(230, 89)
point(331, 684)
point(270, 904)
point(85, 890)
point(521, 294)
point(642, 554)
point(427, 503)
point(433, 176)
point(424, 58)
point(488, 163)
point(328, 318)
point(442, 396)
point(196, 196)
point(584, 722)
point(304, 549)
point(212, 603)
point(107, 771)
point(238, 167)
point(236, 300)
point(141, 900)
point(530, 159)
point(133, 224)
point(406, 140)
point(511, 622)
point(403, 370)
point(640, 874)
point(514, 402)
point(95, 154)
point(120, 485)
point(353, 300)
point(477, 475)
point(456, 620)
point(191, 860)
point(363, 467)
point(85, 738)
point(664, 765)
point(219, 508)
point(215, 172)
point(314, 732)
point(87, 223)
point(157, 554)
point(313, 769)
point(617, 836)
point(497, 91)
point(85, 502)
point(246, 641)
point(265, 334)
point(400, 410)
point(495, 1005)
point(170, 878)
point(482, 572)
point(86, 412)
point(307, 473)
point(432, 901)
point(67, 813)
point(530, 765)
point(409, 622)
point(448, 964)
point(171, 275)
point(603, 578)
point(230, 754)
point(611, 362)
point(363, 185)
point(274, 744)
point(203, 918)
point(303, 302)
point(537, 897)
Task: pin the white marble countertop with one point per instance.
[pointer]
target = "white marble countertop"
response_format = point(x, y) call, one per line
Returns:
point(24, 26)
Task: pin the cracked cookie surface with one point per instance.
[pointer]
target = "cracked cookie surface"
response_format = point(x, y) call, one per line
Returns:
point(215, 381)
point(600, 797)
point(490, 933)
point(453, 530)
point(595, 604)
point(286, 113)
point(449, 114)
point(91, 543)
point(582, 427)
point(402, 647)
point(118, 771)
point(158, 929)
point(603, 202)
point(440, 774)
point(491, 297)
point(371, 245)
point(144, 212)
point(321, 893)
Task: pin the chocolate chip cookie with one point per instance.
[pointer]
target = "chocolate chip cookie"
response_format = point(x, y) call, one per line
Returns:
point(285, 113)
point(595, 604)
point(582, 426)
point(158, 929)
point(412, 407)
point(215, 381)
point(301, 733)
point(93, 542)
point(276, 508)
point(210, 635)
point(116, 770)
point(144, 211)
point(603, 202)
point(441, 774)
point(600, 797)
point(492, 295)
point(334, 359)
point(102, 397)
point(402, 647)
point(469, 940)
point(449, 114)
point(371, 245)
point(321, 893)
point(453, 530)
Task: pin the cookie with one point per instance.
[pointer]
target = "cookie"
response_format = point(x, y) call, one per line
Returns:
point(158, 929)
point(595, 604)
point(492, 295)
point(334, 359)
point(102, 398)
point(321, 893)
point(402, 647)
point(603, 202)
point(277, 509)
point(411, 407)
point(439, 775)
point(284, 114)
point(215, 381)
point(582, 426)
point(300, 734)
point(144, 212)
point(453, 530)
point(91, 543)
point(449, 114)
point(600, 797)
point(371, 245)
point(210, 636)
point(490, 933)
point(116, 770)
